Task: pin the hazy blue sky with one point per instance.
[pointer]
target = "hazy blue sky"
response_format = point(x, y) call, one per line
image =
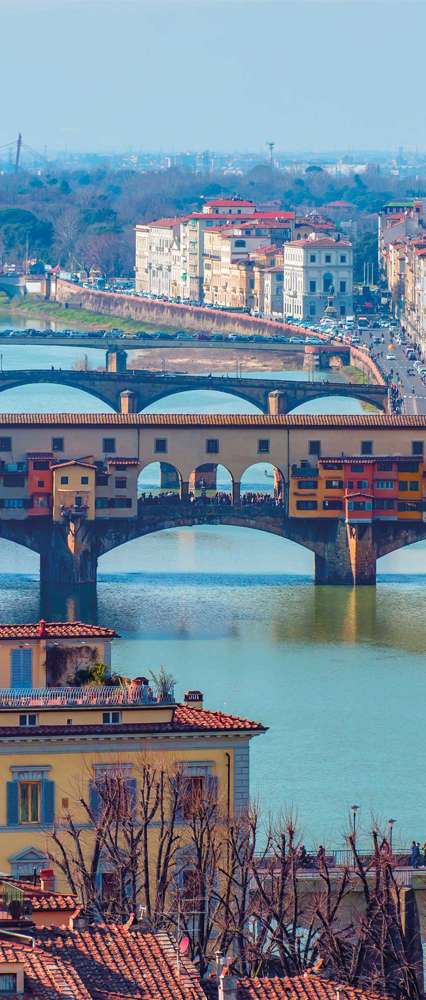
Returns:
point(218, 74)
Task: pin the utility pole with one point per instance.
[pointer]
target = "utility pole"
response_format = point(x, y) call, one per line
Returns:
point(271, 147)
point(18, 152)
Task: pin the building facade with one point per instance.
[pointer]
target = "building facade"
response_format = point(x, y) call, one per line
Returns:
point(316, 270)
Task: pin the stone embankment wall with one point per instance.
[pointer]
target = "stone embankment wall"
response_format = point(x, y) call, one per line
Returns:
point(179, 316)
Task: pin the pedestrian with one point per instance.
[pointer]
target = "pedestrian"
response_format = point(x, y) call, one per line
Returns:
point(321, 855)
point(424, 853)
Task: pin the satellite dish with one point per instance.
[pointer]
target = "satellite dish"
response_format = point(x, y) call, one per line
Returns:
point(184, 945)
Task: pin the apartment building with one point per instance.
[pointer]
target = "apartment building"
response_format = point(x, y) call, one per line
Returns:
point(226, 282)
point(399, 221)
point(316, 270)
point(268, 274)
point(155, 245)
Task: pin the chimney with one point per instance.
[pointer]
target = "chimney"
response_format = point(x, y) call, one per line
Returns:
point(47, 879)
point(194, 699)
point(228, 984)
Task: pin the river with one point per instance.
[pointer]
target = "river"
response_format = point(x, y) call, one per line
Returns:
point(235, 613)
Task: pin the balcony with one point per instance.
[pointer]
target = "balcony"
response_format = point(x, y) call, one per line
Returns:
point(310, 471)
point(68, 697)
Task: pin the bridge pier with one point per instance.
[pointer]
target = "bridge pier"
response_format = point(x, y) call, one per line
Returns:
point(348, 558)
point(68, 555)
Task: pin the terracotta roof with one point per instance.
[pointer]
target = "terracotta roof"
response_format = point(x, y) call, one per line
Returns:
point(102, 963)
point(44, 901)
point(166, 223)
point(73, 461)
point(320, 242)
point(361, 421)
point(56, 630)
point(122, 461)
point(228, 203)
point(307, 987)
point(184, 720)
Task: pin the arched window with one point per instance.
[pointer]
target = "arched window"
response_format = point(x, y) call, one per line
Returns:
point(327, 282)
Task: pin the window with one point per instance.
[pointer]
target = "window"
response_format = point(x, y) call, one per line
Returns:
point(21, 668)
point(64, 480)
point(350, 484)
point(108, 445)
point(240, 243)
point(40, 466)
point(8, 982)
point(212, 446)
point(343, 310)
point(121, 483)
point(312, 258)
point(383, 504)
point(312, 308)
point(312, 286)
point(101, 502)
point(384, 484)
point(357, 468)
point(40, 484)
point(15, 504)
point(366, 447)
point(84, 480)
point(360, 505)
point(314, 447)
point(409, 485)
point(334, 484)
point(5, 444)
point(384, 466)
point(120, 502)
point(111, 718)
point(408, 466)
point(417, 447)
point(57, 444)
point(101, 480)
point(29, 801)
point(406, 505)
point(327, 282)
point(307, 484)
point(343, 258)
point(342, 287)
point(332, 505)
point(333, 466)
point(362, 484)
point(28, 719)
point(13, 479)
point(306, 505)
point(263, 446)
point(160, 446)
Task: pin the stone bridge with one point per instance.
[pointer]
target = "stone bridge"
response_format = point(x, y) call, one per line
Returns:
point(344, 554)
point(133, 390)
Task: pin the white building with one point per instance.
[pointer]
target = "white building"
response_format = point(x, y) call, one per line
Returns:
point(156, 244)
point(315, 269)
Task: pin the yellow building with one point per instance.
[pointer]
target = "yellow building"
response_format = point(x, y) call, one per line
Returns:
point(74, 489)
point(48, 654)
point(55, 741)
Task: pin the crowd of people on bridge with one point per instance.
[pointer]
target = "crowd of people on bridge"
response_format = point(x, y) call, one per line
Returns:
point(219, 497)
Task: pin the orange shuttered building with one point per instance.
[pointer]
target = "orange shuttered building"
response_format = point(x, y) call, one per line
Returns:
point(359, 488)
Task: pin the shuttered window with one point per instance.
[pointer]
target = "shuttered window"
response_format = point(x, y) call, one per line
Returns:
point(21, 668)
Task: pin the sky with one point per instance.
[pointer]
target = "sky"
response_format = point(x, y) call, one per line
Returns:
point(316, 75)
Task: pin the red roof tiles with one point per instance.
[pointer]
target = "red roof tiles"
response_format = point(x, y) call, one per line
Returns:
point(184, 719)
point(307, 987)
point(42, 900)
point(240, 420)
point(56, 630)
point(103, 963)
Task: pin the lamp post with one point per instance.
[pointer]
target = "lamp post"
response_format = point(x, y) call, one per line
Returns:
point(391, 823)
point(354, 812)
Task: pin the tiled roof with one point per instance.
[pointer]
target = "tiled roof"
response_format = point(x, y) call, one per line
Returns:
point(291, 420)
point(56, 630)
point(321, 242)
point(44, 901)
point(122, 461)
point(228, 203)
point(184, 719)
point(103, 963)
point(307, 987)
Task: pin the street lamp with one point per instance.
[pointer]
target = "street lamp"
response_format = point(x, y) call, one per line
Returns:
point(391, 823)
point(354, 812)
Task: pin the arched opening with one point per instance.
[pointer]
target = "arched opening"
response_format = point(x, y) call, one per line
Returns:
point(409, 560)
point(202, 401)
point(210, 482)
point(48, 397)
point(159, 480)
point(334, 405)
point(327, 282)
point(262, 482)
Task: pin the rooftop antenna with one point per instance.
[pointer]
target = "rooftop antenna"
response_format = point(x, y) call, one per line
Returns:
point(18, 152)
point(271, 147)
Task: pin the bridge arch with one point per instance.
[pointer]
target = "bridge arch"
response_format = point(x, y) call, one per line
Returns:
point(211, 477)
point(11, 401)
point(320, 402)
point(205, 400)
point(158, 477)
point(262, 477)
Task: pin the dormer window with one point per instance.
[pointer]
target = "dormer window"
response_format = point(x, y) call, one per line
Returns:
point(111, 718)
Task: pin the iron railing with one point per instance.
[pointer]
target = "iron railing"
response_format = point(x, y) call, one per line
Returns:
point(133, 694)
